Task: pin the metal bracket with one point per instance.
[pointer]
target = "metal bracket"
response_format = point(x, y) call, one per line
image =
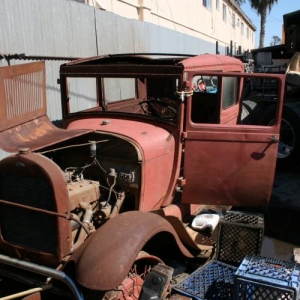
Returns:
point(156, 282)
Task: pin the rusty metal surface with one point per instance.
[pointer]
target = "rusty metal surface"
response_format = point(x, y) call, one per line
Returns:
point(23, 120)
point(22, 94)
point(41, 167)
point(175, 57)
point(35, 296)
point(156, 148)
point(232, 165)
point(82, 191)
point(144, 135)
point(34, 135)
point(178, 297)
point(229, 173)
point(209, 62)
point(106, 268)
point(22, 56)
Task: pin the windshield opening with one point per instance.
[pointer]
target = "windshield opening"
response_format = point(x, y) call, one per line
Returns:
point(154, 96)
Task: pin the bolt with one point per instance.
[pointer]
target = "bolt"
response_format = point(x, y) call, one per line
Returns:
point(156, 280)
point(105, 122)
point(24, 150)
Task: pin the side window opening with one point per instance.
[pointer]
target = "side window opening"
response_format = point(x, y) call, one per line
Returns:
point(151, 96)
point(162, 87)
point(205, 100)
point(259, 102)
point(118, 89)
point(161, 99)
point(218, 100)
point(82, 94)
point(230, 91)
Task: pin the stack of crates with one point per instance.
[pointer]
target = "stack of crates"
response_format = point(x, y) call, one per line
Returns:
point(239, 272)
point(266, 279)
point(214, 280)
point(240, 234)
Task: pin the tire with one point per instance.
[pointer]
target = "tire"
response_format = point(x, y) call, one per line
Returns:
point(288, 156)
point(251, 113)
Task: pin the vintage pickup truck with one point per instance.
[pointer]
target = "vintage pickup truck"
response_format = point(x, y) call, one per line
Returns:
point(91, 209)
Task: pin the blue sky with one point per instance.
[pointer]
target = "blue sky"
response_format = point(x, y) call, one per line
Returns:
point(274, 18)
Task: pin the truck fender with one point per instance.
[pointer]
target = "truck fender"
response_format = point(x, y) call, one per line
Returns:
point(106, 257)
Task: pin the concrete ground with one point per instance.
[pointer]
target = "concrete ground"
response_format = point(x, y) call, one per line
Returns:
point(282, 218)
point(281, 233)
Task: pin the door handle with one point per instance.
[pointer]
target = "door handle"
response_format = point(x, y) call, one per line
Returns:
point(274, 139)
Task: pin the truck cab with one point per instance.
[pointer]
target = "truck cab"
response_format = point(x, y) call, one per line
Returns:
point(147, 142)
point(183, 115)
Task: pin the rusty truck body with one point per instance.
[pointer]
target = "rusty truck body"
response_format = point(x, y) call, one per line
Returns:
point(147, 143)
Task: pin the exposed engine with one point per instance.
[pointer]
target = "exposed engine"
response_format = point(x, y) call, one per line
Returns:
point(101, 180)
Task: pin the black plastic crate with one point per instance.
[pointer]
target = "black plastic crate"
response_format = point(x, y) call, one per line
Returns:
point(214, 280)
point(263, 278)
point(239, 234)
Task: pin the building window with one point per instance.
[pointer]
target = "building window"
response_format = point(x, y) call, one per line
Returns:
point(242, 28)
point(233, 20)
point(247, 33)
point(224, 12)
point(206, 3)
point(218, 4)
point(238, 22)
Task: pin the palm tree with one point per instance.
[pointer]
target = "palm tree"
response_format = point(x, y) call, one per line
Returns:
point(261, 7)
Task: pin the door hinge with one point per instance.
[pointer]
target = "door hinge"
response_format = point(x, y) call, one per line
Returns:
point(183, 136)
point(181, 181)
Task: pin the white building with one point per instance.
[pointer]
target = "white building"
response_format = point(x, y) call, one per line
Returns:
point(221, 21)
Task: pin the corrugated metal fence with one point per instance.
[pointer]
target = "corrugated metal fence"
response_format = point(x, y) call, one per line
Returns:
point(71, 29)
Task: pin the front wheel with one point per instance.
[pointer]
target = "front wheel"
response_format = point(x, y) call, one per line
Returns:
point(288, 155)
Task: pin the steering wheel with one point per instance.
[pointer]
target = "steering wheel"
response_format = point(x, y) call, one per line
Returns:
point(158, 108)
point(214, 81)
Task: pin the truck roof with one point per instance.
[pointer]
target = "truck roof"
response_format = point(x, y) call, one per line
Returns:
point(213, 62)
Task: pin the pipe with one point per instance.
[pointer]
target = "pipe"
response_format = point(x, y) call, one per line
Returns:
point(27, 292)
point(118, 204)
point(42, 270)
point(87, 221)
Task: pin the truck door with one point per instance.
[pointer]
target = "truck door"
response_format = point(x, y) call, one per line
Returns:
point(229, 158)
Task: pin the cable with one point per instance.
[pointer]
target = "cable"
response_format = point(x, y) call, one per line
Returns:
point(66, 147)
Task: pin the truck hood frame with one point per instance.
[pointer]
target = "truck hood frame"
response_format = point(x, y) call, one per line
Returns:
point(23, 117)
point(35, 134)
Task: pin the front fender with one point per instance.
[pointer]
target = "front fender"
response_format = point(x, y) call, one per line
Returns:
point(107, 256)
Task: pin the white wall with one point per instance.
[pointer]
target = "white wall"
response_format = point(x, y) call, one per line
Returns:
point(72, 29)
point(189, 17)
